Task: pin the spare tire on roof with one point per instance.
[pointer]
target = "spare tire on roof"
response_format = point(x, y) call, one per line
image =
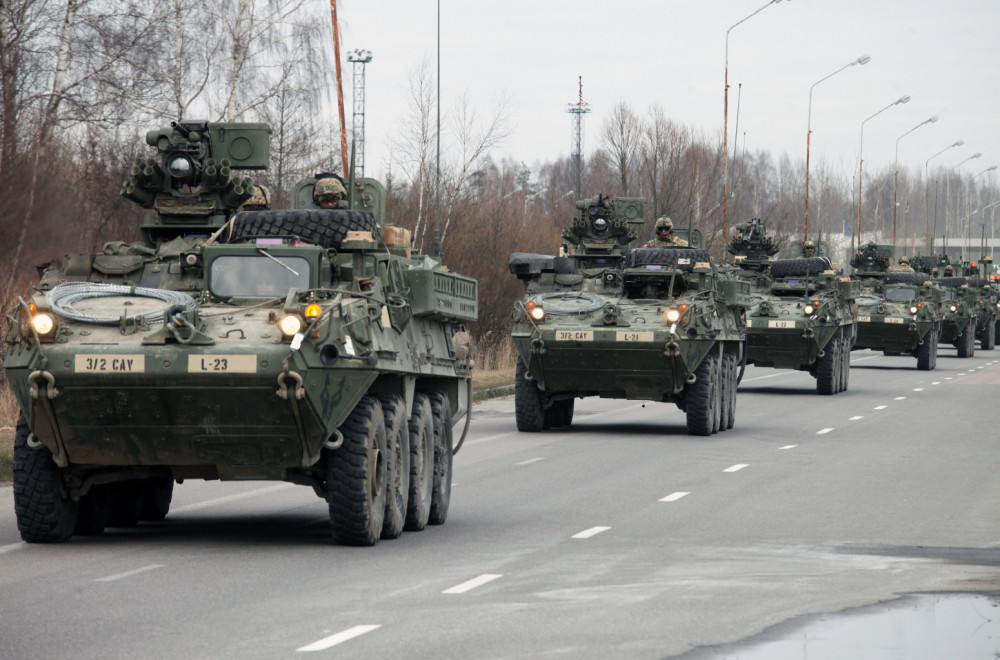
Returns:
point(951, 281)
point(800, 267)
point(324, 227)
point(906, 278)
point(679, 257)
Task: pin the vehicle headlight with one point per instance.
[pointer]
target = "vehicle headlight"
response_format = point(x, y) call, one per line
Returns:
point(953, 308)
point(290, 324)
point(535, 311)
point(43, 323)
point(808, 309)
point(914, 309)
point(673, 315)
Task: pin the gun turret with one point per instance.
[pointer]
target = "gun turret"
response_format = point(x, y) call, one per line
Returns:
point(604, 224)
point(753, 248)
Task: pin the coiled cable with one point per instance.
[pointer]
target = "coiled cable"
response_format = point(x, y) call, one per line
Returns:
point(547, 299)
point(63, 296)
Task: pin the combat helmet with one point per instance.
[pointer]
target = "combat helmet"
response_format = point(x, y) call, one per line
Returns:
point(328, 187)
point(663, 222)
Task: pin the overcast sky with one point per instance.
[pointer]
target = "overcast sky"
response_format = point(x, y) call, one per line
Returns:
point(943, 53)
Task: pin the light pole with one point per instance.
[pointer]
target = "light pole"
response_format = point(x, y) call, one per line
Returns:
point(992, 209)
point(968, 205)
point(725, 130)
point(928, 239)
point(947, 194)
point(864, 59)
point(861, 159)
point(895, 181)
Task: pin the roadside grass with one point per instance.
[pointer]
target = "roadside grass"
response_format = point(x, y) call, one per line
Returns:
point(8, 424)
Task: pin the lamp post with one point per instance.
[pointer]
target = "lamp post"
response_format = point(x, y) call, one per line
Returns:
point(947, 193)
point(895, 181)
point(992, 208)
point(864, 59)
point(861, 160)
point(928, 239)
point(968, 205)
point(725, 129)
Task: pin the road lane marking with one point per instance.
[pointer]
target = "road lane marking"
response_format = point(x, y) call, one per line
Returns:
point(918, 389)
point(229, 498)
point(881, 407)
point(12, 547)
point(856, 418)
point(673, 497)
point(339, 638)
point(937, 382)
point(736, 468)
point(120, 576)
point(530, 461)
point(959, 374)
point(593, 531)
point(788, 447)
point(472, 584)
point(947, 377)
point(900, 398)
point(823, 431)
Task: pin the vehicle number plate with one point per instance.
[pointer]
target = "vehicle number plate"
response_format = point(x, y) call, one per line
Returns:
point(893, 319)
point(218, 364)
point(781, 324)
point(864, 319)
point(749, 323)
point(110, 364)
point(621, 335)
point(574, 335)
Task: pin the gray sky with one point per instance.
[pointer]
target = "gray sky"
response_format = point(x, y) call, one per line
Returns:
point(944, 54)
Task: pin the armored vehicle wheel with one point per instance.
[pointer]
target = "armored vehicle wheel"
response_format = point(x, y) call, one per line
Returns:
point(988, 339)
point(418, 505)
point(799, 267)
point(966, 342)
point(44, 513)
point(702, 397)
point(397, 442)
point(125, 502)
point(827, 372)
point(156, 503)
point(325, 227)
point(680, 257)
point(927, 352)
point(443, 450)
point(356, 476)
point(719, 396)
point(528, 411)
point(845, 372)
point(93, 515)
point(566, 412)
point(729, 369)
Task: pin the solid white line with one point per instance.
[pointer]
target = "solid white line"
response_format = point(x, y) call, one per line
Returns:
point(673, 497)
point(736, 468)
point(593, 531)
point(900, 398)
point(856, 418)
point(918, 389)
point(472, 584)
point(788, 447)
point(881, 407)
point(780, 373)
point(823, 431)
point(229, 498)
point(340, 637)
point(12, 547)
point(530, 460)
point(119, 576)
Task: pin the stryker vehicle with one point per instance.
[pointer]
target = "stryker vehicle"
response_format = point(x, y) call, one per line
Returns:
point(305, 345)
point(898, 312)
point(657, 324)
point(958, 326)
point(802, 313)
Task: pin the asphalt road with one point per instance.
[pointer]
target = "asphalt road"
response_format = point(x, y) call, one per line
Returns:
point(622, 537)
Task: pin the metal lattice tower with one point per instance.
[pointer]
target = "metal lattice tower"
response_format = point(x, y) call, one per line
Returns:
point(578, 110)
point(359, 57)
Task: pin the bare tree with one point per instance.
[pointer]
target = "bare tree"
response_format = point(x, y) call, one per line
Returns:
point(414, 144)
point(621, 135)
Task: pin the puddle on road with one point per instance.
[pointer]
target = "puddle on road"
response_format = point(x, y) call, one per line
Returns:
point(916, 627)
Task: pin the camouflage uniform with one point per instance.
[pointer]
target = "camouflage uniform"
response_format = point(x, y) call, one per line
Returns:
point(668, 239)
point(902, 267)
point(261, 200)
point(329, 192)
point(808, 250)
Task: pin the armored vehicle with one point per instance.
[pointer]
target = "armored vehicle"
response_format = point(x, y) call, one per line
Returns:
point(958, 326)
point(659, 324)
point(898, 312)
point(305, 345)
point(802, 312)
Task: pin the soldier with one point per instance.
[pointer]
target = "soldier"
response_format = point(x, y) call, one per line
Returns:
point(261, 200)
point(902, 267)
point(808, 250)
point(664, 237)
point(329, 192)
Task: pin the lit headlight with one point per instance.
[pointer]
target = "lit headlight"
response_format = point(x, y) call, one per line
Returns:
point(808, 309)
point(43, 324)
point(535, 311)
point(914, 309)
point(998, 305)
point(290, 325)
point(673, 315)
point(953, 308)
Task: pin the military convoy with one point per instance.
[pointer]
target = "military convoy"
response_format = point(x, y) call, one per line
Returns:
point(601, 319)
point(305, 345)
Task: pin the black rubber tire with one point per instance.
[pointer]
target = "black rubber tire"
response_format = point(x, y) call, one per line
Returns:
point(951, 281)
point(845, 372)
point(44, 514)
point(93, 514)
point(528, 411)
point(729, 375)
point(800, 267)
point(966, 342)
point(718, 387)
point(397, 442)
point(356, 480)
point(125, 502)
point(988, 339)
point(156, 503)
point(325, 227)
point(826, 368)
point(566, 412)
point(418, 505)
point(906, 278)
point(681, 258)
point(927, 352)
point(701, 397)
point(443, 452)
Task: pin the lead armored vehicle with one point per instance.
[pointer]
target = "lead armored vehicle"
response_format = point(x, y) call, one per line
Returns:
point(657, 324)
point(305, 345)
point(802, 313)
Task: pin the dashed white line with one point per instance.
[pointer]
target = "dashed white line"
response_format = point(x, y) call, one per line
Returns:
point(959, 374)
point(788, 447)
point(881, 407)
point(339, 638)
point(673, 497)
point(900, 398)
point(736, 468)
point(472, 584)
point(857, 417)
point(947, 377)
point(937, 382)
point(823, 431)
point(530, 461)
point(229, 498)
point(593, 531)
point(918, 389)
point(120, 576)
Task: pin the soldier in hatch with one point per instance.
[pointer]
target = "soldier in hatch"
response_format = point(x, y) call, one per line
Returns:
point(902, 267)
point(664, 236)
point(808, 250)
point(329, 192)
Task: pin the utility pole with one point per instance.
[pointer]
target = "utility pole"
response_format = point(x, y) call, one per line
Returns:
point(578, 110)
point(357, 57)
point(340, 88)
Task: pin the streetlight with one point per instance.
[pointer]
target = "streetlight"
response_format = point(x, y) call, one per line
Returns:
point(864, 59)
point(725, 129)
point(968, 205)
point(991, 207)
point(947, 194)
point(861, 160)
point(895, 181)
point(928, 240)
